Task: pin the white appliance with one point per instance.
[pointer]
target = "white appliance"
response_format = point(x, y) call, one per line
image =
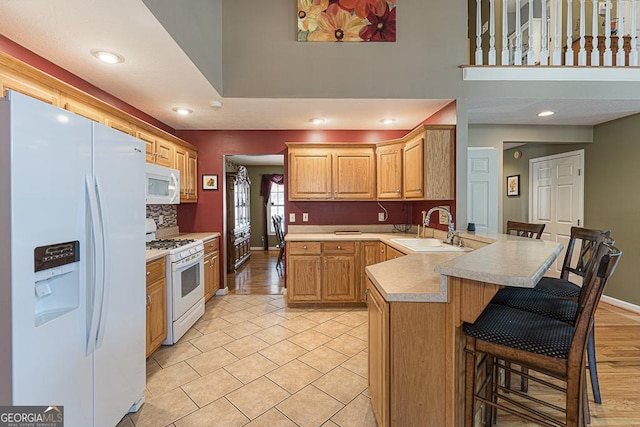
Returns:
point(185, 283)
point(163, 185)
point(72, 287)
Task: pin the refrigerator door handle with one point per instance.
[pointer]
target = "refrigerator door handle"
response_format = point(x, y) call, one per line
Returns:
point(105, 264)
point(97, 267)
point(176, 191)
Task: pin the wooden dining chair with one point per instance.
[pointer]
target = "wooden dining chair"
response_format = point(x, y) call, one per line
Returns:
point(525, 229)
point(542, 345)
point(277, 226)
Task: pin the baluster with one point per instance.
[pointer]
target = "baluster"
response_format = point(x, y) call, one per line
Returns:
point(531, 53)
point(478, 33)
point(582, 53)
point(492, 33)
point(517, 53)
point(633, 55)
point(620, 57)
point(505, 39)
point(557, 31)
point(607, 34)
point(544, 37)
point(595, 52)
point(568, 57)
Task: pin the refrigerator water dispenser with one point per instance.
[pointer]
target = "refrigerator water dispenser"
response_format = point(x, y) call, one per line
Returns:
point(57, 280)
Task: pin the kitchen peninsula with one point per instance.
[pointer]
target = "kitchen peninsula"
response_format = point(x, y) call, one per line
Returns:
point(416, 344)
point(417, 304)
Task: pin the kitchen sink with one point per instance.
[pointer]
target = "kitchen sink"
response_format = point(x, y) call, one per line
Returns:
point(427, 245)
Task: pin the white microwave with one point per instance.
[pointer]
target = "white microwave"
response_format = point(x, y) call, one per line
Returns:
point(163, 185)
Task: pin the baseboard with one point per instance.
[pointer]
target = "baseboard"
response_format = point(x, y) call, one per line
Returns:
point(223, 291)
point(621, 304)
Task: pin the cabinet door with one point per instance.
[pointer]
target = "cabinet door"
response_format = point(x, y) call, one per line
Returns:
point(208, 278)
point(354, 175)
point(43, 93)
point(192, 175)
point(156, 315)
point(309, 174)
point(165, 153)
point(378, 354)
point(440, 164)
point(84, 110)
point(392, 253)
point(303, 278)
point(389, 173)
point(413, 179)
point(370, 254)
point(180, 163)
point(339, 278)
point(119, 124)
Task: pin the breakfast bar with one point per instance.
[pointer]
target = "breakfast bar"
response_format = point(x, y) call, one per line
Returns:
point(417, 305)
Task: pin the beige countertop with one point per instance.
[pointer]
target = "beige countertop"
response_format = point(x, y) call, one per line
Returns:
point(153, 254)
point(421, 277)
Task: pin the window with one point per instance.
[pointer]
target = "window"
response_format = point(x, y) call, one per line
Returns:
point(276, 204)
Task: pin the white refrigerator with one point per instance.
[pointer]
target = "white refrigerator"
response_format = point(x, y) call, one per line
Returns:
point(72, 262)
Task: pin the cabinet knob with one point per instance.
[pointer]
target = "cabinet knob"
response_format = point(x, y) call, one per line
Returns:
point(304, 247)
point(148, 300)
point(339, 247)
point(148, 273)
point(366, 294)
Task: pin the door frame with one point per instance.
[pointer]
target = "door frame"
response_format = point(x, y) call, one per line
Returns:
point(579, 153)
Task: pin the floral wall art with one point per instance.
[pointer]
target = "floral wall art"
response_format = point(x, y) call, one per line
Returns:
point(347, 20)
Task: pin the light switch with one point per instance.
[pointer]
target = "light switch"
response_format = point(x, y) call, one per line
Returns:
point(292, 217)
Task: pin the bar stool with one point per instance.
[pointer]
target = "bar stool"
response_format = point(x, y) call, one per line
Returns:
point(525, 229)
point(555, 297)
point(541, 344)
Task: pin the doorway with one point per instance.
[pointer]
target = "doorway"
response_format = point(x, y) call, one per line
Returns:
point(249, 237)
point(556, 197)
point(482, 188)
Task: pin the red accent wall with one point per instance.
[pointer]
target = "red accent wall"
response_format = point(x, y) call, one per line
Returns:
point(446, 116)
point(10, 47)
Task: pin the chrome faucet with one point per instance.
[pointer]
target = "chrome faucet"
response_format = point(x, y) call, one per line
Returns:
point(451, 231)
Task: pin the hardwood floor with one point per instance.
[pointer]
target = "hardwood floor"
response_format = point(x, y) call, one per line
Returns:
point(258, 276)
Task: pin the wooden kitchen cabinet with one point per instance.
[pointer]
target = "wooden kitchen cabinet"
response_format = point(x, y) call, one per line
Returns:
point(321, 272)
point(156, 305)
point(309, 174)
point(370, 253)
point(429, 164)
point(211, 267)
point(159, 151)
point(336, 172)
point(392, 253)
point(389, 171)
point(378, 351)
point(34, 89)
point(186, 161)
point(408, 362)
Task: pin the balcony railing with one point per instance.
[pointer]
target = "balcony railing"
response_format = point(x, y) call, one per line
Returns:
point(543, 33)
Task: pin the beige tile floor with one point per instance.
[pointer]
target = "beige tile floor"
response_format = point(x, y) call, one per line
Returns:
point(251, 361)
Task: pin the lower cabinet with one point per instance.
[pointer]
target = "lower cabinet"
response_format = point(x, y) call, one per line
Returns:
point(211, 267)
point(370, 253)
point(410, 360)
point(321, 272)
point(392, 253)
point(156, 305)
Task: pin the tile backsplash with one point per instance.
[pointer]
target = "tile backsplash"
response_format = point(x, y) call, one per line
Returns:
point(169, 215)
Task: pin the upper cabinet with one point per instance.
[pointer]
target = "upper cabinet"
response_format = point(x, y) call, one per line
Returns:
point(336, 172)
point(420, 166)
point(186, 161)
point(162, 148)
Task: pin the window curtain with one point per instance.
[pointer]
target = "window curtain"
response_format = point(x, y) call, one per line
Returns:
point(265, 192)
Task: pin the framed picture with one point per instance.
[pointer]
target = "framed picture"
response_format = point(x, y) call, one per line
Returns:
point(513, 186)
point(209, 182)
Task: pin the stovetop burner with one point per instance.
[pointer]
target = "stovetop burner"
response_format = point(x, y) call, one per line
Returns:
point(168, 243)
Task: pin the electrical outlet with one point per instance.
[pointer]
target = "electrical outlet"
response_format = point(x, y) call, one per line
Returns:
point(292, 217)
point(305, 217)
point(161, 220)
point(380, 216)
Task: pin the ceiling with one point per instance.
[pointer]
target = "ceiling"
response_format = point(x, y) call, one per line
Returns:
point(157, 76)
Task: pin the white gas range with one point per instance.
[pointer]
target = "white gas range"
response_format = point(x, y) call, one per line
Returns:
point(185, 282)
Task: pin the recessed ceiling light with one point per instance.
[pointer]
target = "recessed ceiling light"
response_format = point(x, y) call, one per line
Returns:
point(182, 111)
point(387, 121)
point(107, 57)
point(317, 121)
point(216, 104)
point(546, 113)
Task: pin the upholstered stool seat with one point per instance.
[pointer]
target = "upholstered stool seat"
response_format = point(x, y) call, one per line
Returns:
point(530, 300)
point(558, 287)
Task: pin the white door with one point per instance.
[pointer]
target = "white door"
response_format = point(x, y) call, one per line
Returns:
point(556, 197)
point(482, 188)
